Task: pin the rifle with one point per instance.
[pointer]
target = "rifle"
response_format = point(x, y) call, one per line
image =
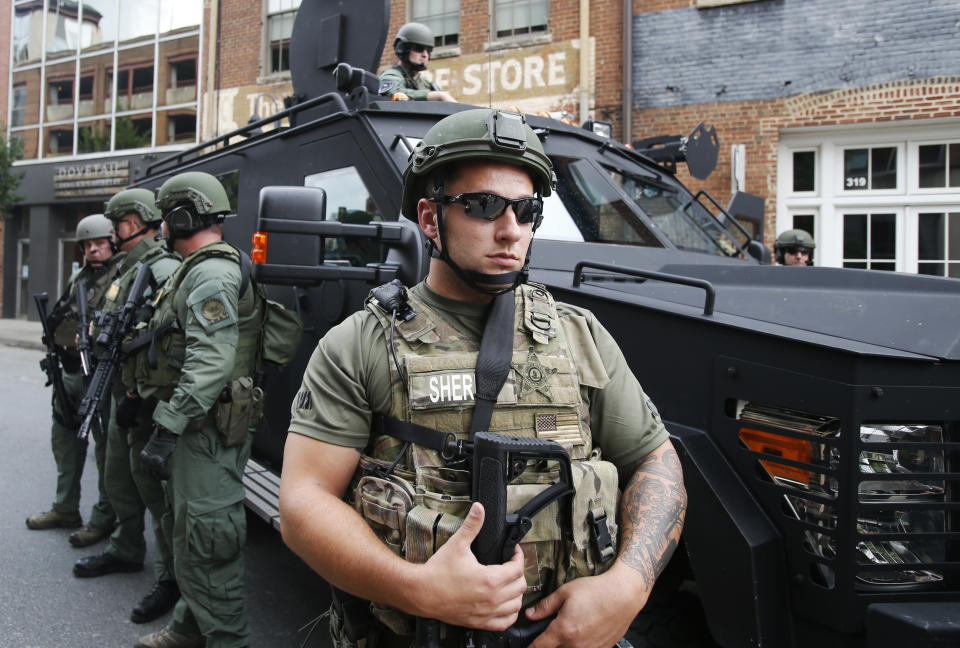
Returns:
point(83, 328)
point(114, 326)
point(497, 461)
point(50, 364)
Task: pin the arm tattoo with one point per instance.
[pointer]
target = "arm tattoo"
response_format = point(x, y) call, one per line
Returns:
point(652, 509)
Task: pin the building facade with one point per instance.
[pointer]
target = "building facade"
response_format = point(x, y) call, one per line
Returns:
point(843, 115)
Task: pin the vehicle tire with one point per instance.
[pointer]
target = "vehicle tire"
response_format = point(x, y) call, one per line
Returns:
point(671, 619)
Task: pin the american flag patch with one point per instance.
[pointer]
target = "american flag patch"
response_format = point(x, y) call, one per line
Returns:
point(562, 428)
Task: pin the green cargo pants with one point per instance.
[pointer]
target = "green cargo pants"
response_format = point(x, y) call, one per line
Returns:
point(70, 454)
point(207, 525)
point(132, 492)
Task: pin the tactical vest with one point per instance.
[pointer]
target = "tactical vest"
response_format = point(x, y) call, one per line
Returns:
point(159, 364)
point(65, 311)
point(418, 505)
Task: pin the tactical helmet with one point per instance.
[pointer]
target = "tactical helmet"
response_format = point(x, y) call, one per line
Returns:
point(794, 238)
point(412, 33)
point(479, 134)
point(138, 200)
point(482, 135)
point(94, 226)
point(192, 201)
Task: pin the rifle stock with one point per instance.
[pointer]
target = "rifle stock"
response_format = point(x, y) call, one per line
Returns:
point(115, 326)
point(83, 327)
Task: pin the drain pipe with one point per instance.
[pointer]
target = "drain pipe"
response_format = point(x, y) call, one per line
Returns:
point(627, 118)
point(584, 60)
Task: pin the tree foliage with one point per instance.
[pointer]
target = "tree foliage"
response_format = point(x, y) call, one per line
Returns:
point(10, 152)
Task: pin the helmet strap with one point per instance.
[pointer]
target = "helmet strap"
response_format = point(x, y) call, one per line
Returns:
point(143, 230)
point(479, 281)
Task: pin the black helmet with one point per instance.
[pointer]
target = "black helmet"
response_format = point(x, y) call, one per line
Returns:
point(412, 33)
point(794, 238)
point(475, 135)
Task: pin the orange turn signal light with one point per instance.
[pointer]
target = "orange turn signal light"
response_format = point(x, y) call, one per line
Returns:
point(258, 253)
point(782, 446)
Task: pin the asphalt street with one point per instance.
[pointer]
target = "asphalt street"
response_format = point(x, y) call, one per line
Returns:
point(42, 605)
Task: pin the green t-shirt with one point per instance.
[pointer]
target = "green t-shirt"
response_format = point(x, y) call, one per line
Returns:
point(348, 380)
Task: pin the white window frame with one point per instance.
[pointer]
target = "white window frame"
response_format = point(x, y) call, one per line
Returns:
point(515, 40)
point(816, 170)
point(900, 188)
point(913, 169)
point(830, 202)
point(899, 251)
point(440, 50)
point(265, 51)
point(912, 231)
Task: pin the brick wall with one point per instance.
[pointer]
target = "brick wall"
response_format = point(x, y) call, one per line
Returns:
point(241, 41)
point(757, 124)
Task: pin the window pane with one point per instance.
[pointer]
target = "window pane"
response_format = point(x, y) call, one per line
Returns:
point(58, 141)
point(803, 170)
point(884, 172)
point(538, 15)
point(93, 136)
point(883, 236)
point(930, 240)
point(138, 19)
point(855, 169)
point(176, 126)
point(954, 236)
point(63, 28)
point(27, 29)
point(179, 14)
point(99, 27)
point(955, 165)
point(855, 236)
point(883, 266)
point(348, 201)
point(133, 131)
point(19, 106)
point(935, 269)
point(859, 265)
point(932, 165)
point(805, 222)
point(504, 19)
point(30, 140)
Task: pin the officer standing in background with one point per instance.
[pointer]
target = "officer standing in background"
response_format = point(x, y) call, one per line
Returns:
point(206, 335)
point(385, 390)
point(794, 248)
point(95, 236)
point(135, 219)
point(413, 46)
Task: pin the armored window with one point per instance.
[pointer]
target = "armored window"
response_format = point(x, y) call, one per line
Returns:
point(348, 201)
point(870, 168)
point(279, 25)
point(520, 17)
point(442, 17)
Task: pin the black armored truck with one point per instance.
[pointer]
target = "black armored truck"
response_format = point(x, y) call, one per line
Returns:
point(816, 411)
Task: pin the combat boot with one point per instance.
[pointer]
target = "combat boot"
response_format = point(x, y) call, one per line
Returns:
point(54, 519)
point(158, 602)
point(88, 535)
point(167, 638)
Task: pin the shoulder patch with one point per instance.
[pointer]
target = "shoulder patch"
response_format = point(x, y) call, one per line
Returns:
point(213, 310)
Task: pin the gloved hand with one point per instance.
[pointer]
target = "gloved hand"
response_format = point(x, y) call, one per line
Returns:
point(155, 456)
point(127, 411)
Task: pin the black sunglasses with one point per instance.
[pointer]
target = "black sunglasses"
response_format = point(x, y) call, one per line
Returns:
point(420, 48)
point(490, 206)
point(798, 250)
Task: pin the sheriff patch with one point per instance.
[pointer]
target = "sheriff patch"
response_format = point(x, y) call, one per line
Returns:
point(440, 389)
point(213, 310)
point(534, 376)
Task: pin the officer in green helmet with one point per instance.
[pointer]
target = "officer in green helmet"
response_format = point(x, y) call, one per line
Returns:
point(136, 222)
point(200, 367)
point(413, 46)
point(374, 496)
point(95, 237)
point(794, 248)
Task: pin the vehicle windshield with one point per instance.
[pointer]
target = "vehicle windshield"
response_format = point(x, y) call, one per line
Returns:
point(685, 221)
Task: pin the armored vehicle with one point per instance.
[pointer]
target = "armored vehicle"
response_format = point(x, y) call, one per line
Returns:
point(816, 411)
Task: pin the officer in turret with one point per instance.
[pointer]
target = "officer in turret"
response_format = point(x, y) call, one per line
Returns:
point(136, 220)
point(95, 236)
point(413, 46)
point(794, 247)
point(200, 367)
point(373, 494)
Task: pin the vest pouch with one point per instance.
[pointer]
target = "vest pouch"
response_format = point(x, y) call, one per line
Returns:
point(541, 544)
point(386, 504)
point(239, 408)
point(596, 497)
point(281, 333)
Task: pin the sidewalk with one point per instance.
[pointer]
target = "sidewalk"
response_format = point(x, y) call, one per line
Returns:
point(21, 333)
